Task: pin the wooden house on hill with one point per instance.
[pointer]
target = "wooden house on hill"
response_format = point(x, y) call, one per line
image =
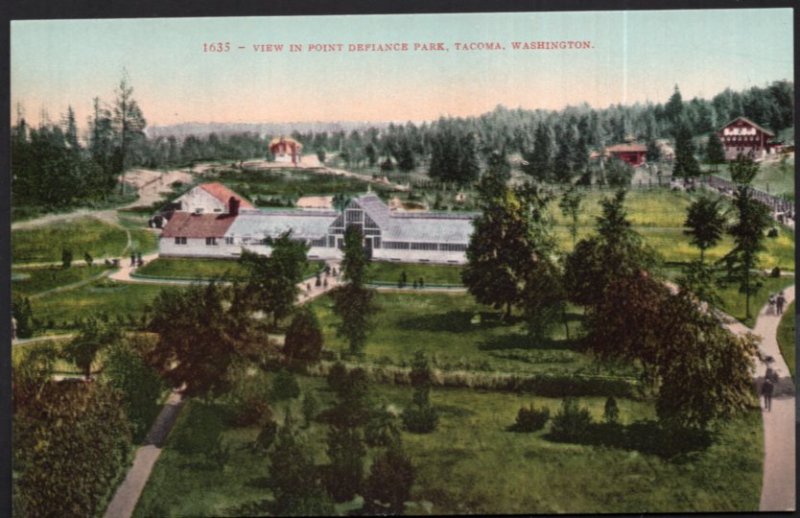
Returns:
point(743, 136)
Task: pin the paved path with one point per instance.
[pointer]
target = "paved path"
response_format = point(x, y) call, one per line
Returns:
point(778, 490)
point(128, 493)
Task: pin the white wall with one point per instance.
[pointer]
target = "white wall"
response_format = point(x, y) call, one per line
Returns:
point(200, 198)
point(196, 248)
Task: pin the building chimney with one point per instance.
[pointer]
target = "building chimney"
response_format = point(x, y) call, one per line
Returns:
point(233, 206)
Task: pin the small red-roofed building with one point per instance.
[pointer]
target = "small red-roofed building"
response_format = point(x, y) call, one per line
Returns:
point(286, 150)
point(745, 137)
point(190, 234)
point(630, 152)
point(211, 198)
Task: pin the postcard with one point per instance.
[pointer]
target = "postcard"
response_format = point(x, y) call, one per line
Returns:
point(455, 263)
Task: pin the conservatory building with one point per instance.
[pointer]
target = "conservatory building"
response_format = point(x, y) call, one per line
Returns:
point(390, 235)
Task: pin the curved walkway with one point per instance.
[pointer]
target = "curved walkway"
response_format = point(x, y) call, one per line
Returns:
point(778, 488)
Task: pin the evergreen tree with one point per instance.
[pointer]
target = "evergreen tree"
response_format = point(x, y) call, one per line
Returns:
point(570, 204)
point(539, 162)
point(304, 339)
point(353, 303)
point(389, 484)
point(715, 151)
point(128, 123)
point(705, 223)
point(748, 231)
point(653, 151)
point(93, 336)
point(686, 165)
point(293, 478)
point(420, 416)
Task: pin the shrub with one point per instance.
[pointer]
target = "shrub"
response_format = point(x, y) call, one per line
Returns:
point(420, 419)
point(310, 407)
point(200, 431)
point(304, 339)
point(389, 484)
point(139, 384)
point(266, 437)
point(611, 411)
point(284, 386)
point(571, 423)
point(776, 272)
point(66, 258)
point(773, 232)
point(71, 445)
point(531, 419)
point(337, 377)
point(381, 429)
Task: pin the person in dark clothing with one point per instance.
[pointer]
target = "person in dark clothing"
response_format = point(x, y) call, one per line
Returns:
point(780, 302)
point(770, 379)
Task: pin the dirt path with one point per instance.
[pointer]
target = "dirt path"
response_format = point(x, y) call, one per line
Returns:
point(128, 493)
point(150, 185)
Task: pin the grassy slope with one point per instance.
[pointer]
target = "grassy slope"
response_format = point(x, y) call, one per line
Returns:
point(172, 267)
point(28, 281)
point(472, 464)
point(772, 176)
point(659, 216)
point(44, 244)
point(786, 337)
point(102, 296)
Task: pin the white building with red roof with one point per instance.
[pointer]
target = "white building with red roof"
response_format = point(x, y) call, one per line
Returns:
point(210, 198)
point(390, 235)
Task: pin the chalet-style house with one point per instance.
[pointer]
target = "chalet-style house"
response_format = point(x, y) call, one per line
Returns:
point(743, 136)
point(630, 152)
point(390, 235)
point(286, 150)
point(209, 198)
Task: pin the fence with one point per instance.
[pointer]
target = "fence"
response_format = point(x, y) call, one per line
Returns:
point(727, 187)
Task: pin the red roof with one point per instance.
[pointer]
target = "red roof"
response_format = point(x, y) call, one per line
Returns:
point(224, 194)
point(627, 148)
point(187, 224)
point(751, 123)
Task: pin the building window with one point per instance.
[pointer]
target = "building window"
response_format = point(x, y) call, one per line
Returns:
point(180, 240)
point(395, 245)
point(228, 240)
point(211, 241)
point(376, 242)
point(452, 247)
point(331, 241)
point(424, 246)
point(318, 242)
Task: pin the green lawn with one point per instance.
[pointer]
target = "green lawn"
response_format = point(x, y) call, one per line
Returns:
point(45, 243)
point(734, 302)
point(658, 216)
point(473, 464)
point(786, 337)
point(260, 186)
point(440, 324)
point(117, 300)
point(773, 176)
point(28, 281)
point(184, 268)
point(385, 272)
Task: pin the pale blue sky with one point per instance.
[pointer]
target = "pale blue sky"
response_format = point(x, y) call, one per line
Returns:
point(636, 56)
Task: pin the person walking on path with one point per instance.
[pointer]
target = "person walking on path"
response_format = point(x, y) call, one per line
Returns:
point(781, 301)
point(768, 387)
point(771, 308)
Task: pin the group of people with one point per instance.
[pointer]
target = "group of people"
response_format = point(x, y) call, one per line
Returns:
point(776, 304)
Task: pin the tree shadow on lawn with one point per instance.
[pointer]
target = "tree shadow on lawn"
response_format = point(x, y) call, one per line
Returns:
point(454, 321)
point(523, 341)
point(646, 437)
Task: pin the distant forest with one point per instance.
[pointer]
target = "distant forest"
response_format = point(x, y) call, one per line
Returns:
point(53, 168)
